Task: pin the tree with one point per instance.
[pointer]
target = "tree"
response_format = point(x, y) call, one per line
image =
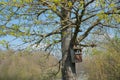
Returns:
point(62, 22)
point(105, 60)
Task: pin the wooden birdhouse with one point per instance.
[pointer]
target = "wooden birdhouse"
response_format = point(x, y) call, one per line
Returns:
point(76, 54)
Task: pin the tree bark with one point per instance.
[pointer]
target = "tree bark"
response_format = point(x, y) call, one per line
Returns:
point(68, 68)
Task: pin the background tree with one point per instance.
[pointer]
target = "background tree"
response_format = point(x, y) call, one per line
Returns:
point(24, 65)
point(56, 22)
point(105, 60)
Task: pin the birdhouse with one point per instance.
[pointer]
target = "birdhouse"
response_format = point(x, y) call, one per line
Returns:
point(76, 54)
point(78, 57)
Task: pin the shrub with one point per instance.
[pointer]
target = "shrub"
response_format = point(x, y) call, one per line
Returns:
point(104, 64)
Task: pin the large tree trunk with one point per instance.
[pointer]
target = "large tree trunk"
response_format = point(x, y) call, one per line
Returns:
point(68, 68)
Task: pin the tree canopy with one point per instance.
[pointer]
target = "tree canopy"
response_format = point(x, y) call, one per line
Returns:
point(36, 21)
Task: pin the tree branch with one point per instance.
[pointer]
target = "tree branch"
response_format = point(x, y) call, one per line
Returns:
point(78, 22)
point(88, 17)
point(106, 25)
point(86, 33)
point(57, 11)
point(87, 45)
point(89, 2)
point(55, 42)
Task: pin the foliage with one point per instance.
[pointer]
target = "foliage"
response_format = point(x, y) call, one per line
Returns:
point(27, 66)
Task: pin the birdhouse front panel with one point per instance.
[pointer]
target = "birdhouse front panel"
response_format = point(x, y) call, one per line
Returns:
point(78, 58)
